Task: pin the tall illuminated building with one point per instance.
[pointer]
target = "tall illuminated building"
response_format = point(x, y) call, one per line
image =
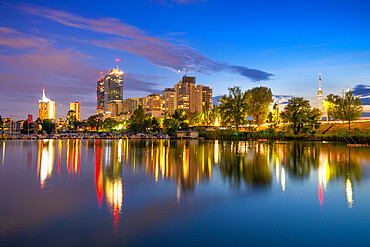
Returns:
point(113, 86)
point(185, 92)
point(109, 90)
point(169, 100)
point(46, 108)
point(100, 91)
point(76, 107)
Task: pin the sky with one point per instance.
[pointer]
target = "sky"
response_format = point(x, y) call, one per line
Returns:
point(63, 46)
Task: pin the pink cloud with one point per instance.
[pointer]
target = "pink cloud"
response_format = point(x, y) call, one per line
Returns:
point(134, 40)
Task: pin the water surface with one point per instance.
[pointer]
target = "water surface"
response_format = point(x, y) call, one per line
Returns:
point(183, 193)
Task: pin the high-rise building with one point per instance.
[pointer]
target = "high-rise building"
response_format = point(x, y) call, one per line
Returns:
point(46, 108)
point(144, 102)
point(100, 91)
point(155, 101)
point(185, 91)
point(76, 107)
point(169, 97)
point(207, 98)
point(199, 98)
point(115, 108)
point(110, 90)
point(113, 84)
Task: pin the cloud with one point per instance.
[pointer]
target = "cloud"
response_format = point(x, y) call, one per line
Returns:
point(134, 40)
point(364, 92)
point(66, 74)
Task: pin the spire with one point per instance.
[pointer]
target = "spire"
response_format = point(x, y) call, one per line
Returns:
point(101, 75)
point(117, 62)
point(43, 95)
point(319, 81)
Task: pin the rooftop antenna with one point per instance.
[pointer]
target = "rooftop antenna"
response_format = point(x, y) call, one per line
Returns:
point(101, 75)
point(43, 94)
point(117, 62)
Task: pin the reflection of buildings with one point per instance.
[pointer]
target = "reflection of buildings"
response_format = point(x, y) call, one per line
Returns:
point(46, 108)
point(76, 107)
point(45, 160)
point(108, 173)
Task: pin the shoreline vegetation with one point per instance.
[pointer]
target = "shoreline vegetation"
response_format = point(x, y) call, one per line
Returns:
point(328, 131)
point(240, 115)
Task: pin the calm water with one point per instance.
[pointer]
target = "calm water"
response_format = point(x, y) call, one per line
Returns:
point(183, 193)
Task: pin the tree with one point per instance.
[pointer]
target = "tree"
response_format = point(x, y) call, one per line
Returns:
point(94, 122)
point(110, 124)
point(275, 114)
point(233, 107)
point(71, 118)
point(330, 105)
point(298, 113)
point(258, 102)
point(349, 108)
point(48, 126)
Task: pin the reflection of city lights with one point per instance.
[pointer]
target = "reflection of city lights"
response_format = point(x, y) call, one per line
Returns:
point(46, 164)
point(3, 153)
point(283, 178)
point(349, 193)
point(277, 170)
point(216, 152)
point(114, 195)
point(216, 122)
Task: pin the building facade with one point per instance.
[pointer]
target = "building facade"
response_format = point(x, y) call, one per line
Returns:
point(169, 97)
point(100, 94)
point(185, 90)
point(46, 108)
point(76, 107)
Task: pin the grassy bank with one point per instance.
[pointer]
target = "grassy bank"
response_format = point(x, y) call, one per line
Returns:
point(327, 132)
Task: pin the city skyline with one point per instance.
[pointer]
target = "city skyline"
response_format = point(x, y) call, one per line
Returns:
point(63, 49)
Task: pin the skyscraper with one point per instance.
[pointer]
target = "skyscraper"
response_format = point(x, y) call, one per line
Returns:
point(100, 91)
point(207, 98)
point(76, 107)
point(110, 91)
point(185, 91)
point(46, 108)
point(169, 100)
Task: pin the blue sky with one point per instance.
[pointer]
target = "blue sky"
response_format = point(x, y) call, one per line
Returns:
point(63, 45)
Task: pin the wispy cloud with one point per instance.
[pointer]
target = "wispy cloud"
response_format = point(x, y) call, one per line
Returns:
point(364, 92)
point(134, 40)
point(33, 63)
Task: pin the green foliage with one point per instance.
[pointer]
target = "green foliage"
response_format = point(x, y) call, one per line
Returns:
point(347, 108)
point(48, 126)
point(298, 113)
point(110, 124)
point(233, 107)
point(140, 122)
point(94, 122)
point(258, 102)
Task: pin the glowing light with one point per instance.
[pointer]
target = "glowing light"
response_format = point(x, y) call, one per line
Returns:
point(216, 152)
point(277, 170)
point(349, 193)
point(216, 122)
point(114, 193)
point(47, 158)
point(283, 178)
